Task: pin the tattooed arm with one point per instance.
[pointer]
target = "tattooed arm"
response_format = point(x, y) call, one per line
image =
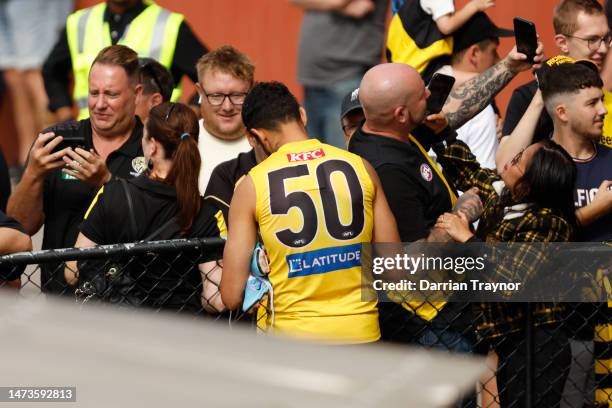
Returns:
point(469, 204)
point(469, 99)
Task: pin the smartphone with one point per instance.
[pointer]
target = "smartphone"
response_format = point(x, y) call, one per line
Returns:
point(440, 87)
point(69, 132)
point(70, 141)
point(526, 37)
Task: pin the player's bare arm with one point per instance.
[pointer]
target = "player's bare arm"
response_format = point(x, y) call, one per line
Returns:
point(241, 240)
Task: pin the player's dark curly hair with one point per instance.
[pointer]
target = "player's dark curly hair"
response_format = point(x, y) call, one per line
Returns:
point(268, 105)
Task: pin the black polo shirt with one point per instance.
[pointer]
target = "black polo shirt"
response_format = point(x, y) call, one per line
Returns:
point(224, 177)
point(416, 194)
point(65, 199)
point(417, 197)
point(168, 280)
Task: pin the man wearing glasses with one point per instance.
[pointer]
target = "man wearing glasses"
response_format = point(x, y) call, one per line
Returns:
point(581, 32)
point(225, 76)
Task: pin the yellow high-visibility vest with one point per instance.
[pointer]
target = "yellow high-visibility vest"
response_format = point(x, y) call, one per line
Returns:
point(152, 33)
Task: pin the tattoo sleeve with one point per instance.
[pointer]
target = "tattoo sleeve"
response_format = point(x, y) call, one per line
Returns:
point(470, 204)
point(469, 99)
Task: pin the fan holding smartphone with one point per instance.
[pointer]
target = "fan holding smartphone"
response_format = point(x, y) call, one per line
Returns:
point(70, 136)
point(58, 184)
point(475, 51)
point(526, 37)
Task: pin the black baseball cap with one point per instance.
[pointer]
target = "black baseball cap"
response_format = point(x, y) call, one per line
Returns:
point(555, 62)
point(564, 59)
point(350, 103)
point(477, 29)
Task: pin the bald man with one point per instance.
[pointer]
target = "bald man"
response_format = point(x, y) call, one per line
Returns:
point(393, 140)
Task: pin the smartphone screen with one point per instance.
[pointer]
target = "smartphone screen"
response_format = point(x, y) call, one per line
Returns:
point(440, 87)
point(526, 37)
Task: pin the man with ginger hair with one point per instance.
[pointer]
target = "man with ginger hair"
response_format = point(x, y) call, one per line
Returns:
point(225, 76)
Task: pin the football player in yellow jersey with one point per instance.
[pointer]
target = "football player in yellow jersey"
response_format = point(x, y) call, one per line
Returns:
point(313, 205)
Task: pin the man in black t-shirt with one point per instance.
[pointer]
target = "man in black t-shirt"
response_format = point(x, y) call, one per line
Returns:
point(59, 182)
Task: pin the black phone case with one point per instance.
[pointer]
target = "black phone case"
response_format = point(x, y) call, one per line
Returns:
point(440, 87)
point(69, 131)
point(526, 37)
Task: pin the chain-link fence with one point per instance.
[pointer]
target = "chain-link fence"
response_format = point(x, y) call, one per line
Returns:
point(541, 355)
point(177, 275)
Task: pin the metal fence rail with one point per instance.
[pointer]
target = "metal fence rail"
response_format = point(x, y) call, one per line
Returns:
point(107, 251)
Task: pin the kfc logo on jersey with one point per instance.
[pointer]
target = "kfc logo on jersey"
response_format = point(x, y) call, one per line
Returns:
point(315, 154)
point(426, 172)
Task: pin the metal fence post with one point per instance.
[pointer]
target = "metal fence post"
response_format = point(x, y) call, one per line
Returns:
point(529, 360)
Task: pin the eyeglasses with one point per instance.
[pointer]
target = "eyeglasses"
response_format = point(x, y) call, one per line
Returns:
point(595, 42)
point(172, 105)
point(516, 159)
point(217, 99)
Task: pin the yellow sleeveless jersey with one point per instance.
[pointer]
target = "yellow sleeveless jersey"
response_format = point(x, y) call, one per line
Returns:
point(314, 210)
point(606, 138)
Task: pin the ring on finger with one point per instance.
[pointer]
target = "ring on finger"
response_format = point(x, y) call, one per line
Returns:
point(76, 163)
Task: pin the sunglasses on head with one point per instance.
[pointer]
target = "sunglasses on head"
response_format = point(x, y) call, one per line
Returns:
point(146, 65)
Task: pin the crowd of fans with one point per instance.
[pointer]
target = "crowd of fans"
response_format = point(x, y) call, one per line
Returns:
point(363, 161)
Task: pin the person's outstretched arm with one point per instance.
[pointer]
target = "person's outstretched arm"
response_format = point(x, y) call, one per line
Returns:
point(522, 136)
point(472, 97)
point(450, 23)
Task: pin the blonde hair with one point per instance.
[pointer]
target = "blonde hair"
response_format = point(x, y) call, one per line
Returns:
point(227, 59)
point(565, 14)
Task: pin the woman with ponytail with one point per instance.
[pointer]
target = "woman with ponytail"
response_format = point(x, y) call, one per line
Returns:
point(162, 203)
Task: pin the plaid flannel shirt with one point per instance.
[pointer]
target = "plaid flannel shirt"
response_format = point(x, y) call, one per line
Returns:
point(535, 225)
